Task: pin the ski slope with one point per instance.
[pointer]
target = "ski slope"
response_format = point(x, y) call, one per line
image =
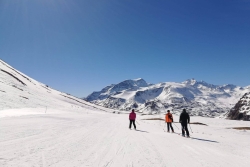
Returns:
point(94, 138)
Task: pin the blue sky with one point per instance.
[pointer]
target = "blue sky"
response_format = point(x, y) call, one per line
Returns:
point(81, 46)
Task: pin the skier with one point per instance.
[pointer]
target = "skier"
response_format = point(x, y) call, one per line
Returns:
point(132, 117)
point(169, 119)
point(184, 120)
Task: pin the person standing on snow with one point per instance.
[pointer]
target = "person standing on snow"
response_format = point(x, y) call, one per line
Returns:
point(132, 117)
point(184, 120)
point(169, 119)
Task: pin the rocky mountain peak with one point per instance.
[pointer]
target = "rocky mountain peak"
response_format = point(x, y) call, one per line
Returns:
point(241, 110)
point(190, 81)
point(129, 84)
point(199, 97)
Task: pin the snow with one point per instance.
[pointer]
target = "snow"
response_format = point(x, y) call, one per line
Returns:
point(80, 137)
point(21, 112)
point(125, 94)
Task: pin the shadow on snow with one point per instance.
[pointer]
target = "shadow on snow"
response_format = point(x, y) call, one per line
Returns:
point(142, 131)
point(204, 140)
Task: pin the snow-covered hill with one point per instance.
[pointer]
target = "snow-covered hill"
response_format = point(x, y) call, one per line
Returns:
point(198, 97)
point(20, 91)
point(241, 111)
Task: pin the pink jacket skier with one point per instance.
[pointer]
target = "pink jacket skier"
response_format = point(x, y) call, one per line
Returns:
point(132, 117)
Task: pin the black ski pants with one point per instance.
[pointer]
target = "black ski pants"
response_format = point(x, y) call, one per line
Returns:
point(169, 124)
point(184, 128)
point(132, 121)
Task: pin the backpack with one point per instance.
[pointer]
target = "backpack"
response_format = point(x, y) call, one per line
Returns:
point(170, 117)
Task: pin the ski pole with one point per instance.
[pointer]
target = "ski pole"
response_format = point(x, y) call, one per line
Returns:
point(137, 122)
point(176, 126)
point(164, 128)
point(190, 127)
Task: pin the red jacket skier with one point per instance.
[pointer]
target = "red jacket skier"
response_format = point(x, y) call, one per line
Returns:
point(169, 119)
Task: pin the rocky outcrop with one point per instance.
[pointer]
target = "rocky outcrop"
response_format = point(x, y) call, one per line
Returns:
point(241, 110)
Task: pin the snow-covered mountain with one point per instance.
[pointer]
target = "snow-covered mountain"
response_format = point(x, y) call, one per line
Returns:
point(198, 97)
point(20, 91)
point(241, 110)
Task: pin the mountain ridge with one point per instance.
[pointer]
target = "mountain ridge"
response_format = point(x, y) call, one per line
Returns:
point(199, 97)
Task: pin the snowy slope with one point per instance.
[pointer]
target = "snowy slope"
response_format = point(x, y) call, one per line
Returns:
point(199, 97)
point(20, 91)
point(99, 139)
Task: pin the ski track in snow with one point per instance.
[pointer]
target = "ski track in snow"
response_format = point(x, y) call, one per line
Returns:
point(103, 140)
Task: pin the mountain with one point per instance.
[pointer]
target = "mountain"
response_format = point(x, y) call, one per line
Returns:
point(116, 89)
point(17, 90)
point(241, 110)
point(198, 97)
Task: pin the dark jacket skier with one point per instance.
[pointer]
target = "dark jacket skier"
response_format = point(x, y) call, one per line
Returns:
point(132, 117)
point(184, 120)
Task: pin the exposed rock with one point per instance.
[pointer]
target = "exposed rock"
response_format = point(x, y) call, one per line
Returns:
point(241, 110)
